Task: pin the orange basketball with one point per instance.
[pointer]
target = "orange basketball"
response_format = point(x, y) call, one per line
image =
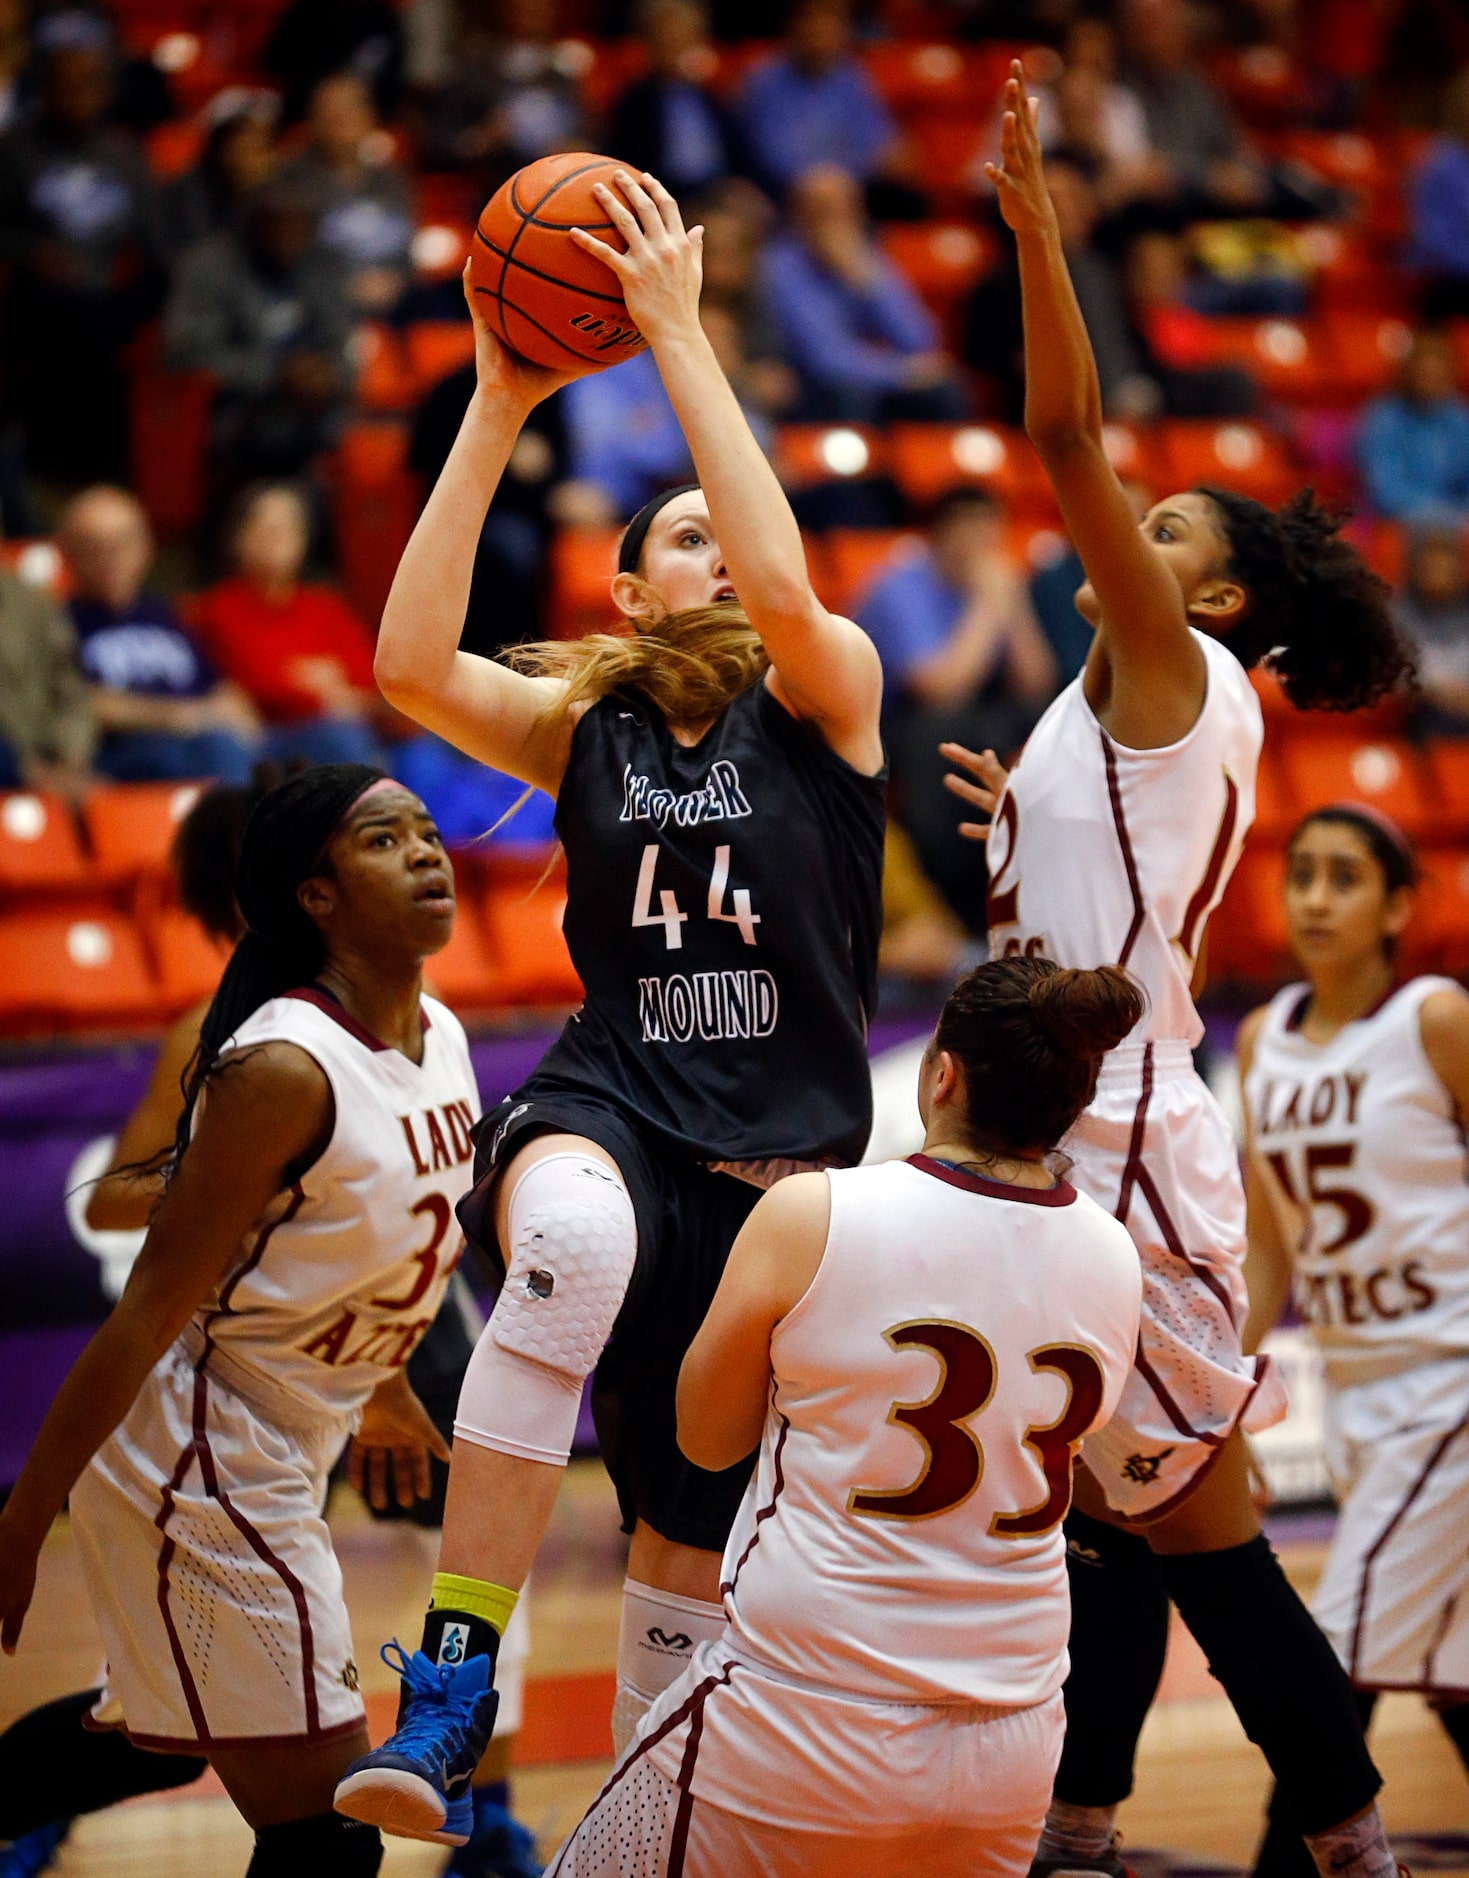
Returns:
point(547, 298)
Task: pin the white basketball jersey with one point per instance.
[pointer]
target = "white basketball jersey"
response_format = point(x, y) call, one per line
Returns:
point(1365, 1164)
point(1101, 855)
point(901, 1539)
point(347, 1267)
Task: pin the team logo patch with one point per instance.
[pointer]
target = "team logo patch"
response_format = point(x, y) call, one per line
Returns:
point(1144, 1469)
point(453, 1645)
point(676, 1644)
point(348, 1677)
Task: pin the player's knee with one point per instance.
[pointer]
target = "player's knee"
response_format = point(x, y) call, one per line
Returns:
point(573, 1244)
point(306, 1848)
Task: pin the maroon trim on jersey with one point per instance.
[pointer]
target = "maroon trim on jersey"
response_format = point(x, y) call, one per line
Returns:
point(1169, 1407)
point(693, 1705)
point(1136, 1176)
point(165, 1562)
point(1198, 907)
point(1124, 841)
point(1298, 1011)
point(679, 1838)
point(1364, 1585)
point(263, 1238)
point(1062, 1194)
point(1296, 1015)
point(261, 1550)
point(765, 1511)
point(1216, 1444)
point(338, 1012)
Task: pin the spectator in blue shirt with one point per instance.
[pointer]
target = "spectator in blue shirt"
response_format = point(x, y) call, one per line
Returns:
point(814, 103)
point(669, 122)
point(162, 709)
point(623, 442)
point(964, 661)
point(863, 344)
point(1413, 447)
point(1438, 211)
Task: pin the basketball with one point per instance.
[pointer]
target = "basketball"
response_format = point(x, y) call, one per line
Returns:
point(547, 299)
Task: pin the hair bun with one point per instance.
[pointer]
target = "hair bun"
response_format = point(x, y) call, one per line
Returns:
point(1086, 1013)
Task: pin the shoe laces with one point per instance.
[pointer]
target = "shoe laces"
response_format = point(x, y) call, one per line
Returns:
point(435, 1699)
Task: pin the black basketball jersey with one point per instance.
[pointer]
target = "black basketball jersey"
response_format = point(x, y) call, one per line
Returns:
point(724, 905)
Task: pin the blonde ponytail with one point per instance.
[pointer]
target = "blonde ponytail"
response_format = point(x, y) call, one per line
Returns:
point(689, 666)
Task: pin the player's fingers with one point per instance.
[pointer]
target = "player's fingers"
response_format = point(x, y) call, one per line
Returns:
point(354, 1466)
point(643, 205)
point(377, 1477)
point(610, 257)
point(668, 209)
point(619, 214)
point(975, 831)
point(10, 1631)
point(423, 1474)
point(437, 1445)
point(972, 760)
point(972, 793)
point(408, 1466)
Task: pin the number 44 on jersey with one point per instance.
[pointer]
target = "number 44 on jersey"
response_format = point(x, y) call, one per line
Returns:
point(671, 916)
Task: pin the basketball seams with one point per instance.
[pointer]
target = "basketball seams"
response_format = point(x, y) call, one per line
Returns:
point(530, 218)
point(553, 280)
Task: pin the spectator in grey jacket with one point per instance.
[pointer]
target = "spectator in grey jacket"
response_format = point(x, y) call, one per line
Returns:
point(81, 231)
point(360, 196)
point(46, 731)
point(267, 313)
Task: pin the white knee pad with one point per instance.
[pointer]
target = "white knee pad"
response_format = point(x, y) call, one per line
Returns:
point(573, 1244)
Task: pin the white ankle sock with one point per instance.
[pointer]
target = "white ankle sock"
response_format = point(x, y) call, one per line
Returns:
point(1358, 1848)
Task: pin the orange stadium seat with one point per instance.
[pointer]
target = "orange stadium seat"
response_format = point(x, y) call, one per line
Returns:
point(38, 562)
point(1387, 773)
point(1276, 808)
point(1132, 451)
point(39, 848)
point(385, 381)
point(583, 561)
point(130, 827)
point(1237, 454)
point(928, 459)
point(527, 944)
point(189, 963)
point(436, 348)
point(1294, 360)
point(375, 504)
point(947, 149)
point(804, 454)
point(1347, 158)
point(1448, 767)
point(1438, 937)
point(1370, 345)
point(1246, 937)
point(464, 973)
point(855, 556)
point(83, 968)
point(1348, 272)
point(1262, 82)
point(941, 259)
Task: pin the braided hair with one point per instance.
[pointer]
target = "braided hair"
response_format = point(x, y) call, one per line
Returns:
point(281, 848)
point(1314, 605)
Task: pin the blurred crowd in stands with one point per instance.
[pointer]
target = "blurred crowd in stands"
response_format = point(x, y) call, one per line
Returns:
point(230, 234)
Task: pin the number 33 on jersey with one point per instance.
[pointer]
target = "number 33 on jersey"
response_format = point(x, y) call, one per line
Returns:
point(958, 1340)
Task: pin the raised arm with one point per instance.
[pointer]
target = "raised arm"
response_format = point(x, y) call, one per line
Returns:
point(1267, 1257)
point(269, 1109)
point(826, 668)
point(1145, 667)
point(724, 1384)
point(499, 716)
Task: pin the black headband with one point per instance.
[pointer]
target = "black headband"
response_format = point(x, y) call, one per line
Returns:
point(630, 548)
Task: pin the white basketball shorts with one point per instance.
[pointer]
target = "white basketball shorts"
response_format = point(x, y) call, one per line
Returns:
point(211, 1571)
point(734, 1774)
point(1394, 1597)
point(1155, 1150)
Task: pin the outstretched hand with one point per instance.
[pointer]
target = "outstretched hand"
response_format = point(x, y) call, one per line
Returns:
point(663, 268)
point(990, 777)
point(1018, 177)
point(18, 1556)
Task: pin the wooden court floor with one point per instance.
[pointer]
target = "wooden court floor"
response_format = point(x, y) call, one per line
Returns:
point(1200, 1782)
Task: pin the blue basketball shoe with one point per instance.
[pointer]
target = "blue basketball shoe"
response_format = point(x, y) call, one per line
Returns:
point(416, 1785)
point(24, 1857)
